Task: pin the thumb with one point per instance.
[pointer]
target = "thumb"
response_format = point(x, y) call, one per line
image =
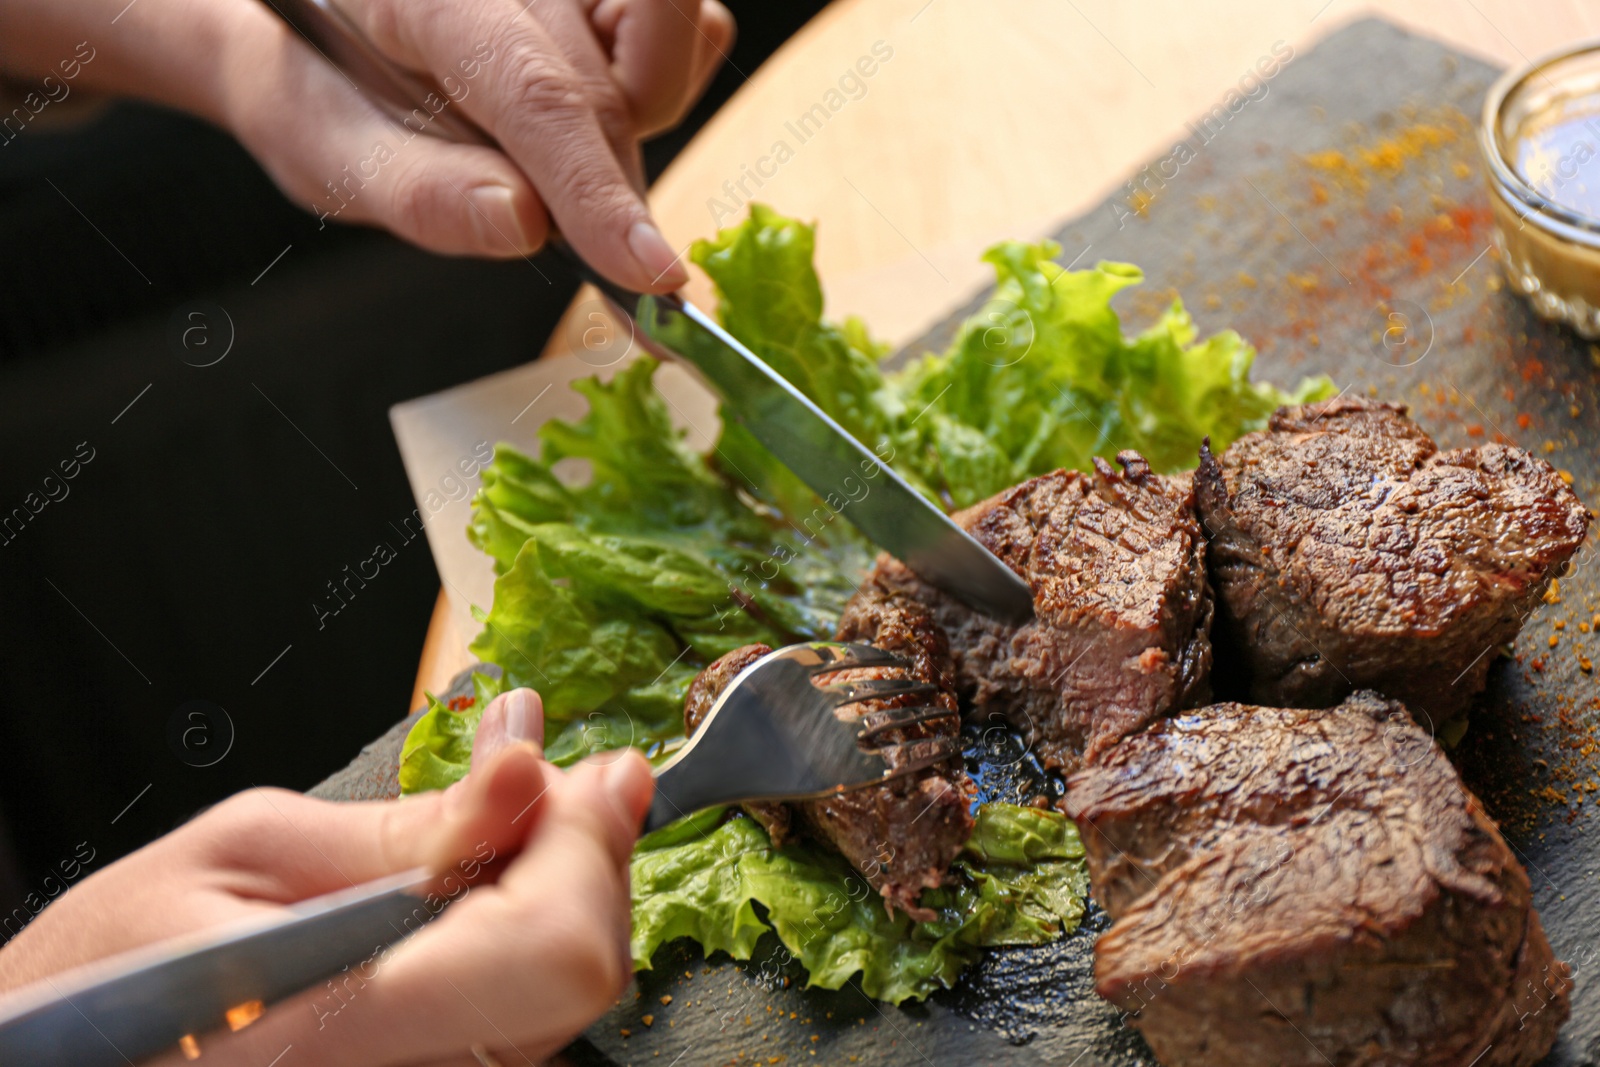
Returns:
point(300, 847)
point(493, 817)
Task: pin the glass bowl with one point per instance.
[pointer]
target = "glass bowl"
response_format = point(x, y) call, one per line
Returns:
point(1540, 139)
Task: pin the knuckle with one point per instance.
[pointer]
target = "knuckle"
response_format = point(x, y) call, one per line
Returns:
point(597, 195)
point(539, 84)
point(592, 979)
point(243, 820)
point(381, 19)
point(413, 200)
point(613, 111)
point(255, 806)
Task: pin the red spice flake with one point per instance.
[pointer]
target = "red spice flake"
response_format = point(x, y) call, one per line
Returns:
point(1532, 369)
point(461, 703)
point(1524, 420)
point(1474, 430)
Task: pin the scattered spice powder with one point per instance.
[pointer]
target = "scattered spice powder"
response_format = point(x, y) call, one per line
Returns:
point(1388, 157)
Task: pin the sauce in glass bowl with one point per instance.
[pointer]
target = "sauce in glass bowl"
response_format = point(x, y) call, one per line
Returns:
point(1540, 140)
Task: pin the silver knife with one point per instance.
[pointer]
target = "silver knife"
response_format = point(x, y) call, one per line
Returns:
point(120, 1010)
point(824, 456)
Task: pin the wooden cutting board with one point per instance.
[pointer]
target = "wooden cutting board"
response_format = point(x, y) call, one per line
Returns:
point(1334, 214)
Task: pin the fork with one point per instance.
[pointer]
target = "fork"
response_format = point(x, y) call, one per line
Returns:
point(774, 734)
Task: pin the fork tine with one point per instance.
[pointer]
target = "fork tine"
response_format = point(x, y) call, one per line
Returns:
point(840, 657)
point(877, 723)
point(908, 757)
point(877, 689)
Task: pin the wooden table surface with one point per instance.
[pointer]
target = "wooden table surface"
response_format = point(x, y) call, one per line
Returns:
point(988, 119)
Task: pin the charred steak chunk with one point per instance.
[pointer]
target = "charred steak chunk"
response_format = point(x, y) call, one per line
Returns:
point(904, 834)
point(776, 819)
point(1116, 561)
point(1348, 552)
point(1298, 887)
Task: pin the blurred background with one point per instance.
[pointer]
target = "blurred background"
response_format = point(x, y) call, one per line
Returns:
point(159, 648)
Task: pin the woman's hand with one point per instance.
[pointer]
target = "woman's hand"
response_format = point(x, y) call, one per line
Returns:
point(514, 967)
point(566, 87)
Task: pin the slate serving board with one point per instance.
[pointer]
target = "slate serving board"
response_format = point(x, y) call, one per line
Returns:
point(1308, 219)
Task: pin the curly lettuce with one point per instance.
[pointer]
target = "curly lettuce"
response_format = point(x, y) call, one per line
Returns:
point(1041, 378)
point(716, 879)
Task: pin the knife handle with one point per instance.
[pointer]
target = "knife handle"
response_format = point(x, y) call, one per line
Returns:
point(143, 1002)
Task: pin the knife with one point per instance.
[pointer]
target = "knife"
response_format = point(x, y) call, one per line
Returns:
point(848, 476)
point(820, 452)
point(123, 1009)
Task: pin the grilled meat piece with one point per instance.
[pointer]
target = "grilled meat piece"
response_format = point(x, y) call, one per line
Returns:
point(1348, 552)
point(1116, 561)
point(703, 693)
point(1299, 888)
point(902, 835)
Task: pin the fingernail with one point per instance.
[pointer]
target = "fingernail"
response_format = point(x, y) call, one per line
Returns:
point(495, 222)
point(524, 716)
point(656, 256)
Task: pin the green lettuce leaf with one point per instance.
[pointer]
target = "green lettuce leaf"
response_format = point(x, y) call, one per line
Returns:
point(545, 636)
point(1021, 881)
point(612, 595)
point(438, 750)
point(1041, 378)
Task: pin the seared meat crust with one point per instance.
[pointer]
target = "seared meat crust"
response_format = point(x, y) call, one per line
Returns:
point(1348, 552)
point(1116, 561)
point(904, 834)
point(1303, 887)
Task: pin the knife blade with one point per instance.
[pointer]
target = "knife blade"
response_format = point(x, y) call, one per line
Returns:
point(851, 479)
point(123, 1009)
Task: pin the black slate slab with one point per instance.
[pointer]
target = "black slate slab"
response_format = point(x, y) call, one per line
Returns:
point(1308, 219)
